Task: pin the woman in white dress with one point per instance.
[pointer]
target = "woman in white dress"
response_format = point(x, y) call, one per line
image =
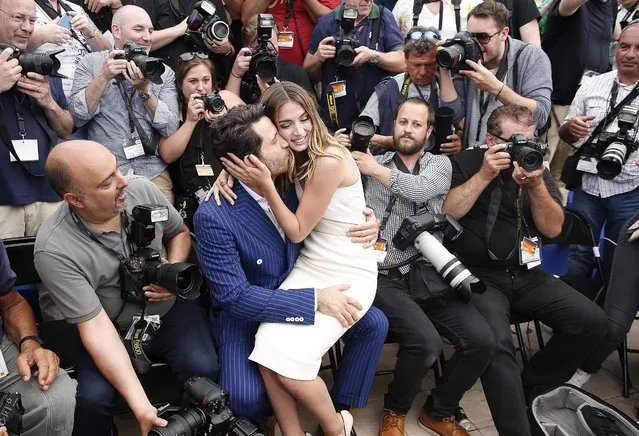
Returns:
point(332, 200)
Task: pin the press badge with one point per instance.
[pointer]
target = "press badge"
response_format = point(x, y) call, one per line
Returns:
point(3, 367)
point(26, 149)
point(587, 76)
point(149, 326)
point(587, 164)
point(530, 252)
point(380, 250)
point(339, 88)
point(204, 170)
point(285, 39)
point(132, 148)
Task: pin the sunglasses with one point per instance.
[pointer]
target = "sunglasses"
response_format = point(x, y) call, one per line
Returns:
point(417, 35)
point(185, 57)
point(483, 37)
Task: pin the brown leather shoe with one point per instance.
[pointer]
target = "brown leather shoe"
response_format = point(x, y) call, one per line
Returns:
point(271, 422)
point(392, 425)
point(446, 427)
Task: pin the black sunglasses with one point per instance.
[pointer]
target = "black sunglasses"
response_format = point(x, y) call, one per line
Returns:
point(185, 57)
point(418, 34)
point(483, 37)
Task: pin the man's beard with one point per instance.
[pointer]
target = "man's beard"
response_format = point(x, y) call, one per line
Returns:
point(411, 149)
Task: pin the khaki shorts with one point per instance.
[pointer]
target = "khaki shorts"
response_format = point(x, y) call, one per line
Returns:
point(26, 219)
point(165, 184)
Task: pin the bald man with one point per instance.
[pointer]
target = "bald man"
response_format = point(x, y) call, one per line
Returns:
point(77, 255)
point(104, 86)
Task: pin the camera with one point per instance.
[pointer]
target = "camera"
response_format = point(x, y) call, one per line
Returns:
point(143, 266)
point(457, 50)
point(151, 67)
point(213, 102)
point(362, 130)
point(614, 148)
point(528, 154)
point(414, 231)
point(11, 412)
point(203, 23)
point(264, 56)
point(205, 413)
point(45, 64)
point(345, 44)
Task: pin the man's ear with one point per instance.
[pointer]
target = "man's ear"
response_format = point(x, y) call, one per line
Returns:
point(490, 140)
point(115, 30)
point(73, 200)
point(505, 32)
point(429, 131)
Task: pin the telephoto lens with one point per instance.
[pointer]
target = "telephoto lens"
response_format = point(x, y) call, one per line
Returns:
point(612, 161)
point(183, 279)
point(443, 128)
point(362, 132)
point(186, 422)
point(45, 64)
point(151, 67)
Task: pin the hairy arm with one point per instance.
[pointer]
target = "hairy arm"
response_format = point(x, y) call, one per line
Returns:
point(318, 192)
point(17, 316)
point(178, 246)
point(462, 198)
point(547, 213)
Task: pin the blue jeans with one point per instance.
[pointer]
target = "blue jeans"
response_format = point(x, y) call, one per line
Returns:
point(183, 341)
point(612, 212)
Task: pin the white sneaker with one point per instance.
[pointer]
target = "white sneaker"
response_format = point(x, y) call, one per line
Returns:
point(579, 378)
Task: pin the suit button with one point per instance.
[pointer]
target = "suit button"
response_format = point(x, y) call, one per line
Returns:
point(288, 319)
point(259, 261)
point(301, 319)
point(297, 319)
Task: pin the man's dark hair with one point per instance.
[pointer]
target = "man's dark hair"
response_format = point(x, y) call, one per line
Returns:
point(234, 133)
point(421, 46)
point(514, 112)
point(414, 100)
point(491, 9)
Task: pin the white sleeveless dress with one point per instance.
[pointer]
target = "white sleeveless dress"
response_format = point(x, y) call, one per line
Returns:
point(327, 258)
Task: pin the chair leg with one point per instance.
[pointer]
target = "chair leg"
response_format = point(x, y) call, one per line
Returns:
point(625, 372)
point(332, 358)
point(540, 338)
point(520, 341)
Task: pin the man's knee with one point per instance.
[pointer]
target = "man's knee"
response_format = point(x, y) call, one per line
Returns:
point(248, 401)
point(49, 412)
point(203, 364)
point(480, 343)
point(591, 320)
point(375, 324)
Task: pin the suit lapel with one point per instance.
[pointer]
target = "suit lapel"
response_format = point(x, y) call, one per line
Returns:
point(257, 222)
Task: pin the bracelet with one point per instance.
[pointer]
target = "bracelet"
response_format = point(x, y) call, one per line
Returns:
point(30, 338)
point(233, 74)
point(500, 89)
point(95, 32)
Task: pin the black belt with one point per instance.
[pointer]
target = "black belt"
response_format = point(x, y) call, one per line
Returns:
point(395, 273)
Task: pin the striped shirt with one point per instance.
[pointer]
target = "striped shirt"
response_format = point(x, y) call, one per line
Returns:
point(415, 194)
point(593, 98)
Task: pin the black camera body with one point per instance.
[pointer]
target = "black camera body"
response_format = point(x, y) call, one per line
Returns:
point(45, 64)
point(528, 154)
point(143, 266)
point(457, 50)
point(151, 67)
point(264, 56)
point(344, 43)
point(11, 412)
point(205, 412)
point(613, 148)
point(204, 23)
point(213, 102)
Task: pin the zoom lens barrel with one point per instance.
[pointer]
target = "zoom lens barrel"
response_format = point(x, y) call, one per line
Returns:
point(451, 56)
point(612, 161)
point(183, 279)
point(184, 423)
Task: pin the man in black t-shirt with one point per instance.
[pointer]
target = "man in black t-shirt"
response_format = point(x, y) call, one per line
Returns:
point(505, 212)
point(523, 20)
point(169, 40)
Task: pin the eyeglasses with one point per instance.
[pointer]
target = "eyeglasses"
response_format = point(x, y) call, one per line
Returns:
point(418, 34)
point(484, 37)
point(19, 18)
point(185, 57)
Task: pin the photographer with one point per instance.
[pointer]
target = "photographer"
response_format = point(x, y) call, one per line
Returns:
point(49, 396)
point(80, 254)
point(505, 212)
point(296, 18)
point(371, 38)
point(419, 81)
point(510, 72)
point(123, 109)
point(193, 165)
point(170, 40)
point(612, 201)
point(399, 184)
point(242, 80)
point(25, 197)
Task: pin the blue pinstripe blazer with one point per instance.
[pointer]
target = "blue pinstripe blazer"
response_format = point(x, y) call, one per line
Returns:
point(245, 259)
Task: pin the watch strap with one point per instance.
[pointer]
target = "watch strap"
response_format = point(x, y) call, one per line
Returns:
point(30, 338)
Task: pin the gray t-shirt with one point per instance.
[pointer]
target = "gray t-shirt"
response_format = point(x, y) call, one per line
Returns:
point(80, 276)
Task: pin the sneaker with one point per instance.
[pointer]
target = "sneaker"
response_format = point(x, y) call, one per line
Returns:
point(579, 378)
point(392, 424)
point(445, 427)
point(462, 419)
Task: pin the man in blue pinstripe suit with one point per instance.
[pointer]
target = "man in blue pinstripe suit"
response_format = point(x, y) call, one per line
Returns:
point(245, 257)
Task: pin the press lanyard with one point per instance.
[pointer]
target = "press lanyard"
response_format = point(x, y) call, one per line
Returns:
point(134, 124)
point(22, 129)
point(83, 228)
point(332, 107)
point(493, 212)
point(391, 203)
point(407, 83)
point(287, 14)
point(484, 99)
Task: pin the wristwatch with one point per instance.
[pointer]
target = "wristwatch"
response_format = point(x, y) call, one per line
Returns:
point(144, 96)
point(375, 59)
point(30, 338)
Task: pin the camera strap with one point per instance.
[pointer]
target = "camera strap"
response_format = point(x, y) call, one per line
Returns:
point(434, 90)
point(134, 124)
point(493, 212)
point(377, 24)
point(84, 230)
point(399, 164)
point(332, 107)
point(53, 14)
